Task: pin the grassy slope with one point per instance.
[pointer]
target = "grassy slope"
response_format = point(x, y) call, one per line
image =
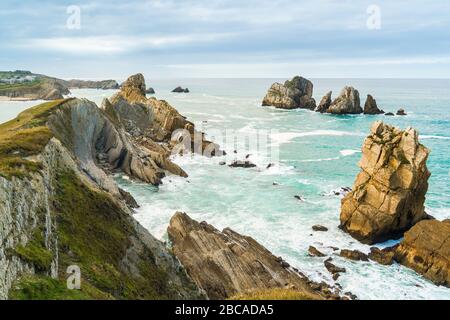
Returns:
point(93, 231)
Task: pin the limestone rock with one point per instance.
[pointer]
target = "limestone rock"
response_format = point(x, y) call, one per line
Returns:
point(295, 93)
point(325, 103)
point(227, 263)
point(389, 193)
point(370, 107)
point(426, 249)
point(348, 102)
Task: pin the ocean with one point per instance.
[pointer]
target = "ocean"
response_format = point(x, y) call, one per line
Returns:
point(311, 154)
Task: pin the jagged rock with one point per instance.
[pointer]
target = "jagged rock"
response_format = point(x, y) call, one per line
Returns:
point(318, 227)
point(348, 102)
point(295, 93)
point(426, 249)
point(332, 268)
point(382, 256)
point(401, 112)
point(180, 90)
point(59, 209)
point(165, 130)
point(242, 164)
point(355, 255)
point(389, 193)
point(150, 91)
point(314, 252)
point(128, 198)
point(227, 263)
point(370, 107)
point(325, 103)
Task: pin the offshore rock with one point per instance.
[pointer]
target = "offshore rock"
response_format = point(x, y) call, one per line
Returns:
point(348, 102)
point(325, 103)
point(370, 107)
point(295, 93)
point(389, 193)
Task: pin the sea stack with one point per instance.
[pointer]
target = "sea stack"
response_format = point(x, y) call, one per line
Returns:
point(370, 107)
point(293, 94)
point(324, 103)
point(389, 193)
point(348, 102)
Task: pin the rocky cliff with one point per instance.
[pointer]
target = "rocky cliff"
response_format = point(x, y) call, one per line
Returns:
point(225, 264)
point(156, 124)
point(60, 208)
point(24, 85)
point(389, 193)
point(295, 93)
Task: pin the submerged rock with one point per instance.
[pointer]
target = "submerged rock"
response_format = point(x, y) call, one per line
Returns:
point(332, 268)
point(318, 227)
point(426, 249)
point(314, 252)
point(370, 107)
point(348, 102)
point(226, 263)
point(324, 103)
point(390, 114)
point(389, 193)
point(295, 93)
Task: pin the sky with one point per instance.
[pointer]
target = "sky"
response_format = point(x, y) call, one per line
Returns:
point(227, 38)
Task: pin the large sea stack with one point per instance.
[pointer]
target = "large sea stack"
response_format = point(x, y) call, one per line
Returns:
point(293, 94)
point(389, 193)
point(348, 102)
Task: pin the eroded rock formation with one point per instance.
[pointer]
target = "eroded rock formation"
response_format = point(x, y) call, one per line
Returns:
point(348, 102)
point(226, 263)
point(60, 209)
point(371, 107)
point(295, 93)
point(325, 103)
point(389, 193)
point(426, 249)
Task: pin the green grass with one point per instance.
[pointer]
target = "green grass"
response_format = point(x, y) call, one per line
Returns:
point(274, 294)
point(94, 233)
point(25, 136)
point(35, 252)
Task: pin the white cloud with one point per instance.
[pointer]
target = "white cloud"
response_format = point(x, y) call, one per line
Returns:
point(116, 44)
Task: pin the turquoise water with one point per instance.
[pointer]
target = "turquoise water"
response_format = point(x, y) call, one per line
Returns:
point(313, 154)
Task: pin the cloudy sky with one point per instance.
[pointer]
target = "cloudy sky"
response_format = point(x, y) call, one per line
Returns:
point(227, 38)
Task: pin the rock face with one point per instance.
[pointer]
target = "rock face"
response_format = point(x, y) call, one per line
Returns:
point(426, 249)
point(389, 193)
point(60, 209)
point(295, 93)
point(325, 103)
point(226, 263)
point(156, 127)
point(348, 102)
point(370, 107)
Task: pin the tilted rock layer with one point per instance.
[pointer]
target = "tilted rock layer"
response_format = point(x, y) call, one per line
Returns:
point(60, 209)
point(426, 249)
point(389, 193)
point(226, 263)
point(295, 93)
